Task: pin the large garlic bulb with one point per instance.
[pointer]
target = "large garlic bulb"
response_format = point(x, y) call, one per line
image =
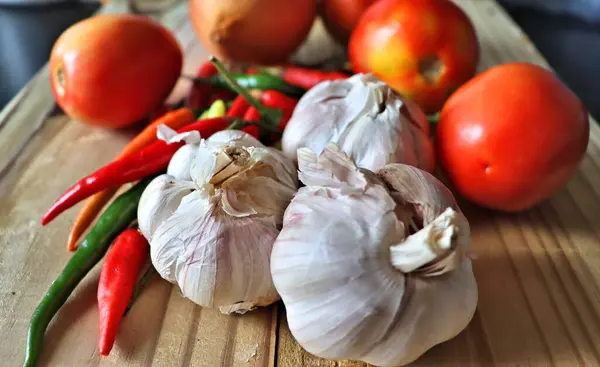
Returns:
point(372, 266)
point(211, 220)
point(366, 118)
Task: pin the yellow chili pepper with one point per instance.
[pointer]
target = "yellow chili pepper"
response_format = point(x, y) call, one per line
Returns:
point(216, 109)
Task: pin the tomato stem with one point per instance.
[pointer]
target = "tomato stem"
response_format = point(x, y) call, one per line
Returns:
point(431, 69)
point(60, 76)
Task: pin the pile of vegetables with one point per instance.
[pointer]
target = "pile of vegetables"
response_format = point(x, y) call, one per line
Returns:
point(274, 181)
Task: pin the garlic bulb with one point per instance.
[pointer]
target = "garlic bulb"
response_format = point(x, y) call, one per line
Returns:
point(366, 118)
point(211, 220)
point(372, 266)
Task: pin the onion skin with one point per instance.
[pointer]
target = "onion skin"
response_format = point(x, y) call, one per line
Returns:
point(252, 31)
point(341, 16)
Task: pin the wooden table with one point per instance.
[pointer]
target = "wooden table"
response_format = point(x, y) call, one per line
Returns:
point(538, 272)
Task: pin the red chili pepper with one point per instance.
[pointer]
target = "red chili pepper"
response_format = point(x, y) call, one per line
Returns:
point(276, 99)
point(199, 95)
point(152, 159)
point(238, 107)
point(117, 281)
point(252, 114)
point(269, 98)
point(308, 78)
point(252, 70)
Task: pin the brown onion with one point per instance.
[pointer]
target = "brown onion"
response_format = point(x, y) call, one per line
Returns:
point(253, 31)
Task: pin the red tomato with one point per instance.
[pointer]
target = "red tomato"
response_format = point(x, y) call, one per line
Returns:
point(341, 16)
point(113, 70)
point(423, 49)
point(512, 136)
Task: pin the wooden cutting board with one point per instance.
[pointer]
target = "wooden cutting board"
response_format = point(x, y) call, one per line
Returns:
point(538, 272)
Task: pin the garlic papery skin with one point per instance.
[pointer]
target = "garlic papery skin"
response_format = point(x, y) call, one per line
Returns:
point(372, 266)
point(366, 119)
point(212, 219)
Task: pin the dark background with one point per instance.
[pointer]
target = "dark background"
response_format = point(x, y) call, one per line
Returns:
point(27, 34)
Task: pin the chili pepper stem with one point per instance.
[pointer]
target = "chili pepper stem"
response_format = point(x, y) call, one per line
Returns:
point(237, 89)
point(238, 124)
point(267, 113)
point(265, 127)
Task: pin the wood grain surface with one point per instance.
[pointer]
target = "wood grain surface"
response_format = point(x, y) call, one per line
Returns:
point(538, 272)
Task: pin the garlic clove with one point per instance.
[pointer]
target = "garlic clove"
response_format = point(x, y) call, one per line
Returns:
point(180, 164)
point(204, 165)
point(283, 168)
point(258, 195)
point(423, 191)
point(309, 131)
point(332, 169)
point(160, 200)
point(439, 308)
point(218, 261)
point(168, 248)
point(235, 138)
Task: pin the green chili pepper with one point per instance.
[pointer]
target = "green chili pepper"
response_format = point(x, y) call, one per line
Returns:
point(256, 81)
point(115, 219)
point(272, 116)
